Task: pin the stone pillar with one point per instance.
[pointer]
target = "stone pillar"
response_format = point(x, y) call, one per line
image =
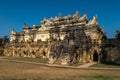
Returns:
point(13, 52)
point(80, 58)
point(51, 59)
point(88, 57)
point(99, 57)
point(84, 56)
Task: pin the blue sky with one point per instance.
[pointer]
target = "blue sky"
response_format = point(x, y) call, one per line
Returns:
point(13, 13)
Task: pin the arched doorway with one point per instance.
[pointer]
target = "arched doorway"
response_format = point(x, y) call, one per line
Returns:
point(44, 53)
point(95, 56)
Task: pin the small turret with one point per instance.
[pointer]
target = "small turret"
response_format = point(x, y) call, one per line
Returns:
point(13, 31)
point(13, 35)
point(60, 15)
point(93, 22)
point(25, 26)
point(44, 19)
point(77, 15)
point(84, 17)
point(117, 34)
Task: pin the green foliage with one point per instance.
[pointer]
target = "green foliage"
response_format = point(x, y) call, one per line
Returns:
point(113, 55)
point(98, 77)
point(105, 65)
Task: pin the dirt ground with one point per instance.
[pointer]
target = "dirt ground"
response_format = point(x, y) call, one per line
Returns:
point(24, 71)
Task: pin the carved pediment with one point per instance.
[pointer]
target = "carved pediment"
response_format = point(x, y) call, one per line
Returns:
point(43, 28)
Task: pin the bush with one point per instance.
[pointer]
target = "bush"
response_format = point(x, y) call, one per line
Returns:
point(113, 55)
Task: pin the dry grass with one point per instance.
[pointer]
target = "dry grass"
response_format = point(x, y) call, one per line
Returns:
point(23, 71)
point(39, 60)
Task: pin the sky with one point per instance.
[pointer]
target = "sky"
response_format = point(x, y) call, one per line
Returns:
point(14, 13)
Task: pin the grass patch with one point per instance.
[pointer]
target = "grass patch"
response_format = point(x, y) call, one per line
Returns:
point(98, 77)
point(105, 65)
point(89, 77)
point(76, 64)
